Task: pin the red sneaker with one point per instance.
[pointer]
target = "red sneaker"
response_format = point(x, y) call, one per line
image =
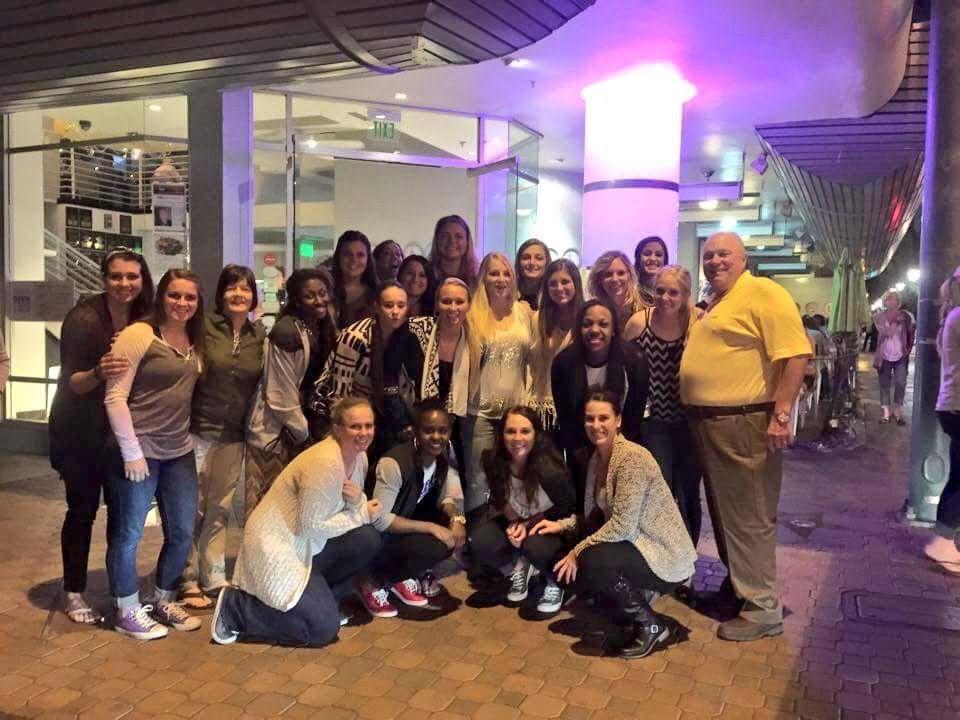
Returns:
point(377, 602)
point(409, 592)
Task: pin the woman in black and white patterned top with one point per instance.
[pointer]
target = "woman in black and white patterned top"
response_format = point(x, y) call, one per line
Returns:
point(661, 332)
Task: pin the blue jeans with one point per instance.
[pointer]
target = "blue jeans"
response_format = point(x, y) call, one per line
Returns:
point(315, 620)
point(893, 381)
point(174, 484)
point(671, 445)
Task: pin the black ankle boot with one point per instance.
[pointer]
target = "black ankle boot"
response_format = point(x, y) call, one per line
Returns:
point(648, 636)
point(649, 631)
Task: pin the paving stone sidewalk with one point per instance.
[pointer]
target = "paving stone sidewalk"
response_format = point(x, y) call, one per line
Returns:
point(873, 631)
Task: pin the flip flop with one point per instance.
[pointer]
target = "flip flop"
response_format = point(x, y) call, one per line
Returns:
point(196, 600)
point(84, 615)
point(950, 566)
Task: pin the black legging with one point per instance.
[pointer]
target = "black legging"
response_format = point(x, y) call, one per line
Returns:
point(613, 570)
point(948, 510)
point(83, 479)
point(490, 546)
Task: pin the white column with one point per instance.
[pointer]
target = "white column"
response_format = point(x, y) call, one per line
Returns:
point(632, 159)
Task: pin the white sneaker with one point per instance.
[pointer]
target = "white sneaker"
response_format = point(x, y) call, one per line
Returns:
point(552, 599)
point(173, 615)
point(520, 581)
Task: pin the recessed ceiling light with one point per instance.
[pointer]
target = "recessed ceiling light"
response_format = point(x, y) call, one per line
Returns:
point(709, 204)
point(523, 212)
point(400, 96)
point(154, 107)
point(761, 247)
point(311, 143)
point(381, 116)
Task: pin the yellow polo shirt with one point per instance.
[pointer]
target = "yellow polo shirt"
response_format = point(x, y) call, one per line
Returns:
point(732, 352)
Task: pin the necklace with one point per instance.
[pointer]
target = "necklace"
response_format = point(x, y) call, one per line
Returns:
point(236, 342)
point(185, 353)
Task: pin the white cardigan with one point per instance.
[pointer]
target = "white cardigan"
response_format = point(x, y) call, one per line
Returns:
point(302, 510)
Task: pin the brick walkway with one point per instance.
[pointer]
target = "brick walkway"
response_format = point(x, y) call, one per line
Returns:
point(844, 565)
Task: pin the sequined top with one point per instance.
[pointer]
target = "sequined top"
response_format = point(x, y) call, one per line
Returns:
point(502, 370)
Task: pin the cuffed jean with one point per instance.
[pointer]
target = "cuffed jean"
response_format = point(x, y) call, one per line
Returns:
point(948, 510)
point(671, 445)
point(174, 484)
point(893, 380)
point(490, 546)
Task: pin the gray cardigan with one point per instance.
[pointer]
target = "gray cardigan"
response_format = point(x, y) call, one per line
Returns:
point(644, 513)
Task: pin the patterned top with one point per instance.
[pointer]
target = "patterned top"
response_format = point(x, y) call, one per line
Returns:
point(641, 511)
point(502, 374)
point(663, 358)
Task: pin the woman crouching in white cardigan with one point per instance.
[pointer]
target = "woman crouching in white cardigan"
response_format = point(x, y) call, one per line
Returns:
point(310, 534)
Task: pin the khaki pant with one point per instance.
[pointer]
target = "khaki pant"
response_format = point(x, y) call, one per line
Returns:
point(742, 478)
point(263, 466)
point(219, 468)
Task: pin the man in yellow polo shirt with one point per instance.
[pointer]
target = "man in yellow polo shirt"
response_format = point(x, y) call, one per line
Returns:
point(739, 377)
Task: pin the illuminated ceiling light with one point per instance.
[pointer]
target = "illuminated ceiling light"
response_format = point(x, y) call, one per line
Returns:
point(135, 153)
point(523, 212)
point(512, 62)
point(747, 200)
point(913, 274)
point(761, 247)
point(802, 279)
point(153, 107)
point(381, 116)
point(728, 223)
point(709, 204)
point(400, 96)
point(900, 286)
point(311, 143)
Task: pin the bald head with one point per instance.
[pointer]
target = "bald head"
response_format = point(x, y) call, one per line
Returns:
point(724, 260)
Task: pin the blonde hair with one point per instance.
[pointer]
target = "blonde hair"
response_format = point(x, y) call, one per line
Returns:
point(480, 318)
point(452, 280)
point(598, 275)
point(949, 299)
point(892, 293)
point(344, 405)
point(682, 276)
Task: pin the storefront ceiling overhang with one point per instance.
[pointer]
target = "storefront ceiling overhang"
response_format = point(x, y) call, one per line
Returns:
point(61, 53)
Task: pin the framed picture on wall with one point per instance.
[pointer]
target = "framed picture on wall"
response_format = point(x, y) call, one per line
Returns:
point(126, 224)
point(108, 221)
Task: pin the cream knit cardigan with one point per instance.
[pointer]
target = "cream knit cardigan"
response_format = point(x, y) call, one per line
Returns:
point(302, 510)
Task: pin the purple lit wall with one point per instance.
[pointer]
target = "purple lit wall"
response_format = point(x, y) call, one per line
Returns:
point(632, 159)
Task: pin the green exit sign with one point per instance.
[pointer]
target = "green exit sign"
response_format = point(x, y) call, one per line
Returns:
point(384, 130)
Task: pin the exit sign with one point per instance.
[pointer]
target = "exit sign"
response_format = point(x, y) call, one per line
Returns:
point(384, 130)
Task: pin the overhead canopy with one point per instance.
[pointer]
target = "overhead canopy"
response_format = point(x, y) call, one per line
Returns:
point(856, 183)
point(83, 51)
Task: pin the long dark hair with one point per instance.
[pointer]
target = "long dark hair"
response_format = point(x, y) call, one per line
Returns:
point(194, 324)
point(543, 460)
point(428, 298)
point(327, 329)
point(468, 263)
point(369, 277)
point(548, 308)
point(378, 346)
point(143, 303)
point(231, 275)
point(638, 251)
point(522, 282)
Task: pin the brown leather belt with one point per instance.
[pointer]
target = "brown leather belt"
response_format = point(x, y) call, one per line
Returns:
point(705, 411)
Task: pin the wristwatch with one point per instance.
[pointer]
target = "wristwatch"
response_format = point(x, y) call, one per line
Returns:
point(458, 519)
point(782, 417)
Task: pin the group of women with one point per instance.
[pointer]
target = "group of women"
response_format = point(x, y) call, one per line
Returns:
point(400, 409)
